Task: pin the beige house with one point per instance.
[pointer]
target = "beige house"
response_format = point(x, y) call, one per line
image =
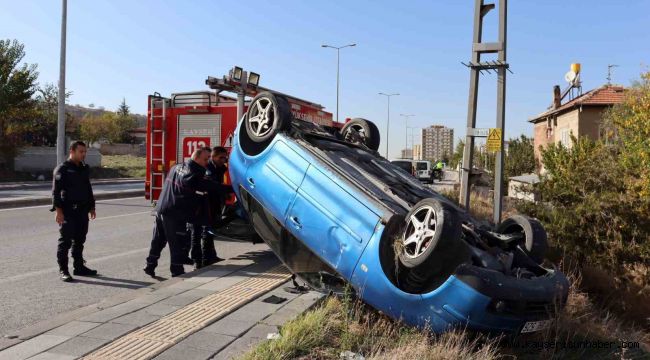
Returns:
point(580, 116)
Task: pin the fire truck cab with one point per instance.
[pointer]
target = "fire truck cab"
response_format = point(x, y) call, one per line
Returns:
point(183, 122)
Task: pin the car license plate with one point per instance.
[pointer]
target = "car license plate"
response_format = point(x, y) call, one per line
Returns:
point(533, 326)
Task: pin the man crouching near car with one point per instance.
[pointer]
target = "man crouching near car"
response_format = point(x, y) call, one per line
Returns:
point(180, 198)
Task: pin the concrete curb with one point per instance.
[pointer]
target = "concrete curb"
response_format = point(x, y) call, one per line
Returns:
point(48, 184)
point(7, 204)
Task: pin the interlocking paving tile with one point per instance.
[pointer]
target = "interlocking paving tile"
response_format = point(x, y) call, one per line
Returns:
point(153, 339)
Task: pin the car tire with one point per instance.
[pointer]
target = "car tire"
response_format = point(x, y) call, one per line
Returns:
point(267, 115)
point(432, 230)
point(535, 240)
point(362, 132)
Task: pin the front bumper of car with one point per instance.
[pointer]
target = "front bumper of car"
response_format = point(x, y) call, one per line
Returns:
point(473, 298)
point(508, 303)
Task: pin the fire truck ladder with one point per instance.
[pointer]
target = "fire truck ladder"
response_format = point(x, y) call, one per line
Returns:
point(157, 143)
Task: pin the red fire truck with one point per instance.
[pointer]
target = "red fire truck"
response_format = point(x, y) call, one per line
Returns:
point(179, 124)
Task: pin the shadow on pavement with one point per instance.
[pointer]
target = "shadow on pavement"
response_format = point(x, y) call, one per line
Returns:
point(133, 282)
point(254, 255)
point(112, 282)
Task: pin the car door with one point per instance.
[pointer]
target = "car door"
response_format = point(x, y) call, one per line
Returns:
point(330, 220)
point(274, 179)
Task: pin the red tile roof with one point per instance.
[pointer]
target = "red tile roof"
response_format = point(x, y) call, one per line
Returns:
point(603, 96)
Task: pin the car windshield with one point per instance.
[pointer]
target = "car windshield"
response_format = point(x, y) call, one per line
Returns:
point(423, 166)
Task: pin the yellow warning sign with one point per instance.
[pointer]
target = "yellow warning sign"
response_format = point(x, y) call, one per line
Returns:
point(494, 140)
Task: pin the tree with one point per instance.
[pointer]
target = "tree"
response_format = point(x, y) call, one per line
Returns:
point(17, 86)
point(123, 109)
point(457, 156)
point(44, 125)
point(520, 158)
point(588, 209)
point(93, 128)
point(629, 126)
point(125, 122)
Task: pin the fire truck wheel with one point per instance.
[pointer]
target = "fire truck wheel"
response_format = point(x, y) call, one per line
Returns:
point(361, 131)
point(267, 115)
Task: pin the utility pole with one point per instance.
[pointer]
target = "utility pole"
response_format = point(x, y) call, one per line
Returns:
point(60, 128)
point(406, 129)
point(388, 118)
point(338, 62)
point(500, 66)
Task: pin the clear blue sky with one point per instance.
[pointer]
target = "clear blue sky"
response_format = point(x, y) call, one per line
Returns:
point(130, 49)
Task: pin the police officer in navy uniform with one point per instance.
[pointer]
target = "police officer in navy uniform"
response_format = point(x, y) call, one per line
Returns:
point(203, 251)
point(180, 199)
point(74, 203)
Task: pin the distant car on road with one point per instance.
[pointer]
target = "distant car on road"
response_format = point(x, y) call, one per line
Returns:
point(336, 213)
point(420, 169)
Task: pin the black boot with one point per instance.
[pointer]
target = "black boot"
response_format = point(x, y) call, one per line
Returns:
point(150, 270)
point(198, 265)
point(81, 269)
point(214, 260)
point(176, 270)
point(65, 275)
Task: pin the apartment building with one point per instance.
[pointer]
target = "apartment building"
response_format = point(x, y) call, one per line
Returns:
point(437, 140)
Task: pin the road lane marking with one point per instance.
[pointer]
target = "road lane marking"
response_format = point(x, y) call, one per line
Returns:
point(54, 270)
point(116, 216)
point(49, 206)
point(50, 231)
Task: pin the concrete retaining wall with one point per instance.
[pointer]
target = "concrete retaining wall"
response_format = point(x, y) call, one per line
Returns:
point(43, 159)
point(123, 149)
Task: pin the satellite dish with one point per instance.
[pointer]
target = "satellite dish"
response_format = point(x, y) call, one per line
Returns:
point(570, 77)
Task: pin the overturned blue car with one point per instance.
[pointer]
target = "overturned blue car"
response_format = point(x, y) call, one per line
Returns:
point(336, 213)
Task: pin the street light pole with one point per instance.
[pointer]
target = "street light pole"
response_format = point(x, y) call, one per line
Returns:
point(338, 62)
point(406, 130)
point(60, 128)
point(388, 118)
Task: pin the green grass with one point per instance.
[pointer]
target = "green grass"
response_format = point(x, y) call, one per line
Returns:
point(337, 325)
point(120, 166)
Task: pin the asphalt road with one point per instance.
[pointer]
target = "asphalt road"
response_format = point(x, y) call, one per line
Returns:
point(46, 190)
point(117, 244)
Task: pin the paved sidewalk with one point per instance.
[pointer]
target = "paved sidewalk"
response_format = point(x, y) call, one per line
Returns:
point(218, 312)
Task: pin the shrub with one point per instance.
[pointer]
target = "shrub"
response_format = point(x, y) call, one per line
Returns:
point(587, 208)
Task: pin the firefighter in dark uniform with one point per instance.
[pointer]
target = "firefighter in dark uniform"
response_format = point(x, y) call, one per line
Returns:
point(180, 198)
point(203, 251)
point(73, 201)
point(217, 168)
